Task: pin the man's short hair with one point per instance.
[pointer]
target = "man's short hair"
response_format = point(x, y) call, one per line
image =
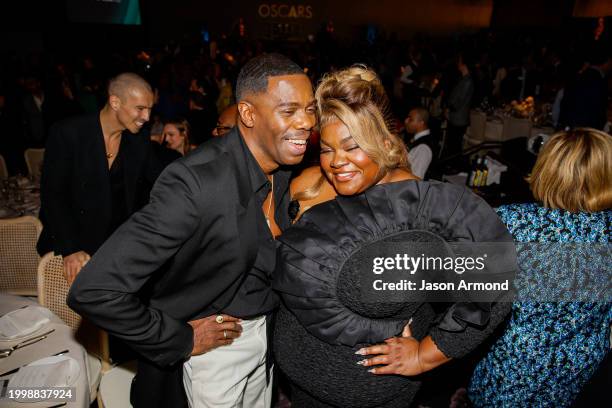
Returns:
point(253, 77)
point(422, 113)
point(123, 83)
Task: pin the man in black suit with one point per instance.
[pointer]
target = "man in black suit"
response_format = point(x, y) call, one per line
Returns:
point(95, 174)
point(204, 247)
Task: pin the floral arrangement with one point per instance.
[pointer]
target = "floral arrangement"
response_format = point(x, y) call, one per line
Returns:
point(522, 109)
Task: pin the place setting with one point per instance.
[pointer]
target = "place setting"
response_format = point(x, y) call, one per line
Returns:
point(20, 196)
point(29, 327)
point(22, 324)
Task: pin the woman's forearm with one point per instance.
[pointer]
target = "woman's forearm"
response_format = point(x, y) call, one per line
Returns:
point(429, 355)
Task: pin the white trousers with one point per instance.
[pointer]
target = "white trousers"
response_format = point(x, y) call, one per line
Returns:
point(233, 375)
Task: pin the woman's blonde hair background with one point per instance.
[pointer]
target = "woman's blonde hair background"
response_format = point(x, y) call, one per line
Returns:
point(182, 125)
point(574, 171)
point(357, 98)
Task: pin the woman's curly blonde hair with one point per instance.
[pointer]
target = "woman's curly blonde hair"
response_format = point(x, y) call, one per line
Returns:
point(357, 98)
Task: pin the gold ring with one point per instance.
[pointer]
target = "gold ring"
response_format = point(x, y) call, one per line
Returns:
point(219, 319)
point(224, 334)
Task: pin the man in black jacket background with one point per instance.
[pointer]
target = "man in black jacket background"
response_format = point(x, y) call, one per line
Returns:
point(97, 171)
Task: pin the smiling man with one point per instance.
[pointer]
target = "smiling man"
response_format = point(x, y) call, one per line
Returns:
point(95, 174)
point(204, 247)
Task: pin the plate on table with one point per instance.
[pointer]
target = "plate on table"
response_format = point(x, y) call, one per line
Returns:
point(46, 373)
point(24, 322)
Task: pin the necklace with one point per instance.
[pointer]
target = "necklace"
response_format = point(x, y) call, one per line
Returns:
point(112, 144)
point(270, 205)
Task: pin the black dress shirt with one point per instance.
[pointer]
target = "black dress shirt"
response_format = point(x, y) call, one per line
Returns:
point(254, 296)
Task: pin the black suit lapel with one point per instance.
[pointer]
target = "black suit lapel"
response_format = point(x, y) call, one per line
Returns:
point(247, 204)
point(132, 162)
point(235, 147)
point(94, 158)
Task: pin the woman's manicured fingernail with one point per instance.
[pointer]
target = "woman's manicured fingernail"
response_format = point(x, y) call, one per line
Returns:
point(361, 352)
point(372, 370)
point(361, 362)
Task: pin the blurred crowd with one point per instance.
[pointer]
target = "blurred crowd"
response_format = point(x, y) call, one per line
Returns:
point(194, 80)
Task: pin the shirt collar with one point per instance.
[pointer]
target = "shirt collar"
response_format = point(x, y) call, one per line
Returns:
point(257, 177)
point(421, 134)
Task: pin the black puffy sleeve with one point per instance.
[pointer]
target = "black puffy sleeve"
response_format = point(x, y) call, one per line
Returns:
point(314, 252)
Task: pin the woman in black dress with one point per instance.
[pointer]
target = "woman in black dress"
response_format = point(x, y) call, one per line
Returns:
point(325, 321)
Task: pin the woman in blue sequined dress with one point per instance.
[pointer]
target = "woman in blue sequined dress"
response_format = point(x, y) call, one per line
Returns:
point(559, 330)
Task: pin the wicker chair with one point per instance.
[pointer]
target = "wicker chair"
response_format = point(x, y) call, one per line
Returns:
point(3, 170)
point(34, 161)
point(53, 289)
point(18, 256)
point(52, 293)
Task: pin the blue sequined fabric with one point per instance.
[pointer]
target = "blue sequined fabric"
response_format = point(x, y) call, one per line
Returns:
point(550, 349)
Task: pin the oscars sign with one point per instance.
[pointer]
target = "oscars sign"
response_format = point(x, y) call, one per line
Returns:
point(284, 11)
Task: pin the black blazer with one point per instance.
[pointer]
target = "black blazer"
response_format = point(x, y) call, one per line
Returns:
point(75, 184)
point(195, 238)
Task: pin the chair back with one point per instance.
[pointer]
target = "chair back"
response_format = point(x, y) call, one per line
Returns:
point(18, 256)
point(53, 290)
point(34, 160)
point(3, 170)
point(52, 293)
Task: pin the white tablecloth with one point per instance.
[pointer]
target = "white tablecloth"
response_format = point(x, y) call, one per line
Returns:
point(499, 129)
point(61, 339)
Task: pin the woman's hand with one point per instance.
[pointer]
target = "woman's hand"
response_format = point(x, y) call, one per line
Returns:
point(403, 355)
point(399, 355)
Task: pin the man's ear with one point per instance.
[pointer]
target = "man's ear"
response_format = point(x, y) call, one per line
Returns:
point(114, 101)
point(246, 113)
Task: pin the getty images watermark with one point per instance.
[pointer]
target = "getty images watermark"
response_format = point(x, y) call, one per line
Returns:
point(412, 264)
point(399, 271)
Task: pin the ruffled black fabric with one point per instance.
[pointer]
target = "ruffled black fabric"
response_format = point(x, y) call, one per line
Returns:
point(326, 324)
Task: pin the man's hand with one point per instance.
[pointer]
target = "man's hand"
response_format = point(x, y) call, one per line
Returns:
point(73, 264)
point(208, 334)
